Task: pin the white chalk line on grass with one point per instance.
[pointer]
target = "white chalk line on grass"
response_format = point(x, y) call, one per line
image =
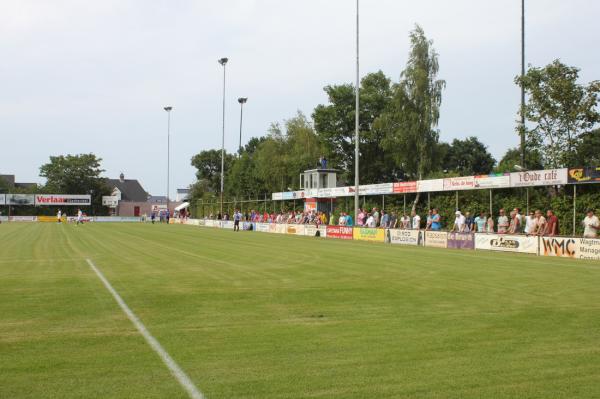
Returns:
point(173, 367)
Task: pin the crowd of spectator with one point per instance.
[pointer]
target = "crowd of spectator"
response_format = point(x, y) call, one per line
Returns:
point(511, 222)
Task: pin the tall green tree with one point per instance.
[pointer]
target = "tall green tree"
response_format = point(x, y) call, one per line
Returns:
point(208, 167)
point(411, 120)
point(334, 124)
point(468, 157)
point(75, 174)
point(560, 109)
point(588, 149)
point(512, 157)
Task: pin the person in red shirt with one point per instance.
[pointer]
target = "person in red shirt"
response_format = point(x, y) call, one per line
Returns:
point(551, 223)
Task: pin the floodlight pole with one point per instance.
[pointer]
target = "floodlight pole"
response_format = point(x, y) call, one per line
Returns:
point(356, 119)
point(168, 109)
point(522, 87)
point(242, 101)
point(223, 61)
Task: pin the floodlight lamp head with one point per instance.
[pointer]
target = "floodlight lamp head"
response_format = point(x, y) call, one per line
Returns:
point(223, 61)
point(242, 100)
point(168, 108)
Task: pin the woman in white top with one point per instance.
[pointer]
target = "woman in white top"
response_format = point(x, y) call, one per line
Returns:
point(591, 224)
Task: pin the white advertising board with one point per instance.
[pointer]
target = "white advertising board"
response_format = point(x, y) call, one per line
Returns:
point(459, 183)
point(376, 189)
point(507, 243)
point(570, 247)
point(429, 186)
point(261, 227)
point(492, 181)
point(550, 177)
point(280, 228)
point(63, 199)
point(20, 199)
point(110, 201)
point(22, 219)
point(404, 237)
point(436, 239)
point(311, 230)
point(227, 224)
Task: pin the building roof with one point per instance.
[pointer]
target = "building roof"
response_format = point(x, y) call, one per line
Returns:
point(9, 179)
point(159, 199)
point(183, 190)
point(131, 189)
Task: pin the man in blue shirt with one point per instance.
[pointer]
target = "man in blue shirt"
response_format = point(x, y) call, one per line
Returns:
point(237, 216)
point(436, 221)
point(349, 221)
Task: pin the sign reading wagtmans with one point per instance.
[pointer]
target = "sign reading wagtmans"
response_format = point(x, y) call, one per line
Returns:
point(63, 199)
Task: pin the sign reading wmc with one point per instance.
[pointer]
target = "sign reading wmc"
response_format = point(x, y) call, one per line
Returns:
point(570, 247)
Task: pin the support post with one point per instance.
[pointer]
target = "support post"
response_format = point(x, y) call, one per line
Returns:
point(404, 208)
point(491, 204)
point(456, 208)
point(574, 208)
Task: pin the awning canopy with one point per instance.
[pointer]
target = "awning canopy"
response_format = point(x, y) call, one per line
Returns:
point(183, 206)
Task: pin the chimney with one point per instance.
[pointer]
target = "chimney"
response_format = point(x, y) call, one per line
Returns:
point(121, 177)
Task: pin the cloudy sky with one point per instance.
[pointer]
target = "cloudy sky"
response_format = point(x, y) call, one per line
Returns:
point(93, 76)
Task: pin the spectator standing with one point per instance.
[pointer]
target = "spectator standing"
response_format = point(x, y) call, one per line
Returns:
point(552, 227)
point(385, 220)
point(371, 221)
point(436, 220)
point(459, 222)
point(480, 223)
point(416, 220)
point(348, 220)
point(591, 224)
point(490, 223)
point(405, 222)
point(58, 216)
point(376, 216)
point(393, 223)
point(469, 222)
point(529, 223)
point(360, 218)
point(429, 219)
point(540, 223)
point(503, 223)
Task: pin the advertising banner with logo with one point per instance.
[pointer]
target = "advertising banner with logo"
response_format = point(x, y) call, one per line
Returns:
point(211, 223)
point(110, 201)
point(430, 186)
point(22, 219)
point(123, 219)
point(297, 229)
point(500, 180)
point(20, 199)
point(550, 177)
point(405, 187)
point(341, 232)
point(376, 189)
point(507, 243)
point(227, 224)
point(570, 247)
point(63, 199)
point(584, 175)
point(310, 230)
point(261, 227)
point(49, 219)
point(2, 199)
point(369, 234)
point(461, 240)
point(404, 237)
point(436, 239)
point(280, 228)
point(459, 183)
point(3, 219)
point(277, 196)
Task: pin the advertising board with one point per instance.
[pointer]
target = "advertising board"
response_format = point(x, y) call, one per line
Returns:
point(404, 237)
point(368, 234)
point(436, 239)
point(550, 177)
point(123, 219)
point(20, 199)
point(429, 186)
point(22, 219)
point(459, 183)
point(584, 175)
point(405, 187)
point(297, 229)
point(261, 227)
point(311, 230)
point(570, 247)
point(63, 199)
point(376, 189)
point(506, 243)
point(280, 228)
point(227, 224)
point(461, 240)
point(341, 232)
point(500, 180)
point(110, 201)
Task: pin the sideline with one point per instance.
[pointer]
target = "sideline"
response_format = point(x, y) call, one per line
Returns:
point(173, 367)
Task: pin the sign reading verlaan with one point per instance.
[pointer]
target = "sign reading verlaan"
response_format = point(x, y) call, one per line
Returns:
point(550, 177)
point(63, 199)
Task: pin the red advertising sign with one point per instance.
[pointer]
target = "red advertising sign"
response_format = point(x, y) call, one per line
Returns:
point(341, 232)
point(405, 187)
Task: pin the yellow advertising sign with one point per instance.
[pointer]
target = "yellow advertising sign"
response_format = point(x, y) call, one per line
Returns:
point(50, 219)
point(368, 234)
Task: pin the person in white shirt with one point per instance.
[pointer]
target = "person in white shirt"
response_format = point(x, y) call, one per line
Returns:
point(371, 221)
point(79, 216)
point(342, 219)
point(529, 223)
point(591, 224)
point(405, 222)
point(459, 222)
point(59, 216)
point(416, 221)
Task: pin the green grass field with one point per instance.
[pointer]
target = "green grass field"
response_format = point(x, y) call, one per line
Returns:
point(251, 315)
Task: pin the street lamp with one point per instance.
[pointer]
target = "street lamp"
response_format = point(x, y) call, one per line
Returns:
point(522, 127)
point(242, 101)
point(223, 61)
point(168, 109)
